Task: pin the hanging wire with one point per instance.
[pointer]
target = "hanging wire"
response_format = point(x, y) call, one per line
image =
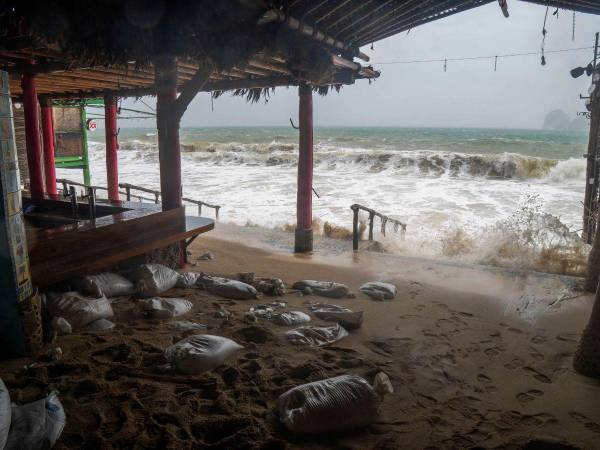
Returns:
point(474, 58)
point(544, 32)
point(495, 63)
point(573, 36)
point(445, 64)
point(147, 105)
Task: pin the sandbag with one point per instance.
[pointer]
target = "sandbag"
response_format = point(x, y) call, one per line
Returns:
point(187, 280)
point(227, 288)
point(61, 326)
point(107, 284)
point(165, 308)
point(185, 325)
point(154, 279)
point(378, 290)
point(336, 404)
point(5, 413)
point(323, 288)
point(316, 336)
point(79, 310)
point(200, 353)
point(345, 317)
point(99, 325)
point(36, 425)
point(290, 318)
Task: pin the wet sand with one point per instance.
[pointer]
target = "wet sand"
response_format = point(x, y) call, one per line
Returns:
point(477, 357)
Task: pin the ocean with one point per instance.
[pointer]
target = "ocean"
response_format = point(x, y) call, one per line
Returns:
point(491, 196)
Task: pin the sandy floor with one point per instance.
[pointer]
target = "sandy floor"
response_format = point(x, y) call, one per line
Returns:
point(478, 358)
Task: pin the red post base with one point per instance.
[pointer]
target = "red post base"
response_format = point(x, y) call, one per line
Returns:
point(48, 138)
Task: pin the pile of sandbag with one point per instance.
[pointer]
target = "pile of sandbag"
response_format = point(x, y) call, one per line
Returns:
point(226, 287)
point(322, 288)
point(164, 308)
point(154, 279)
point(269, 286)
point(316, 336)
point(187, 280)
point(336, 404)
point(333, 313)
point(34, 426)
point(105, 284)
point(77, 310)
point(289, 318)
point(200, 353)
point(379, 290)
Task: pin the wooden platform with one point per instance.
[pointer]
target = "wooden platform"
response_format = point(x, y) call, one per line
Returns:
point(63, 252)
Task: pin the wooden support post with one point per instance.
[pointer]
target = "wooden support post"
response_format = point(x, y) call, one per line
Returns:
point(112, 162)
point(32, 136)
point(355, 228)
point(167, 121)
point(48, 137)
point(371, 221)
point(304, 232)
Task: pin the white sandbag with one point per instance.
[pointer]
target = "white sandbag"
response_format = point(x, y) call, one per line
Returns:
point(107, 284)
point(316, 336)
point(378, 290)
point(333, 313)
point(36, 425)
point(99, 325)
point(227, 288)
point(164, 308)
point(5, 413)
point(290, 318)
point(61, 326)
point(200, 353)
point(187, 280)
point(154, 279)
point(79, 310)
point(336, 404)
point(186, 325)
point(323, 288)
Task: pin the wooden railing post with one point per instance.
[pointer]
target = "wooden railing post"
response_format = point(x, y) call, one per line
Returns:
point(128, 192)
point(371, 220)
point(355, 228)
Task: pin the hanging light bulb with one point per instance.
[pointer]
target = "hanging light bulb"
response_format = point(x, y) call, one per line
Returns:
point(543, 60)
point(577, 72)
point(589, 69)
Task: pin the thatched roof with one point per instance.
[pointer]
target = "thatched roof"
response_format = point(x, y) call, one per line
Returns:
point(84, 48)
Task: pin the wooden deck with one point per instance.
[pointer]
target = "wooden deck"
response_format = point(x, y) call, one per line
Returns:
point(62, 252)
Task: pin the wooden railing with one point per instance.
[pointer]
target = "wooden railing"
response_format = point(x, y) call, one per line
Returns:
point(199, 203)
point(64, 183)
point(372, 214)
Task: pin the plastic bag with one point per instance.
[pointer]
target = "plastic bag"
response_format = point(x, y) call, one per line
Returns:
point(154, 279)
point(36, 425)
point(227, 288)
point(316, 336)
point(5, 413)
point(378, 290)
point(200, 353)
point(99, 325)
point(165, 308)
point(345, 317)
point(79, 310)
point(336, 404)
point(290, 318)
point(107, 284)
point(187, 280)
point(323, 288)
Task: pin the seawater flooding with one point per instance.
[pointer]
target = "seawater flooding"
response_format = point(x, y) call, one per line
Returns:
point(503, 197)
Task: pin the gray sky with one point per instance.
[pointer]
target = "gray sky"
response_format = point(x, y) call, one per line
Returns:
point(469, 94)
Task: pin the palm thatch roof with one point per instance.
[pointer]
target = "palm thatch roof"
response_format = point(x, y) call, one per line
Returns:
point(84, 48)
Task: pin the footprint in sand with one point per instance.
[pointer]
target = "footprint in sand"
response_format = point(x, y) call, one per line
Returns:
point(482, 378)
point(568, 337)
point(538, 375)
point(538, 339)
point(529, 396)
point(514, 364)
point(585, 421)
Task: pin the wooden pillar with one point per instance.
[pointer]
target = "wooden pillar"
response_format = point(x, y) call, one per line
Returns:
point(304, 232)
point(112, 162)
point(167, 122)
point(48, 138)
point(32, 136)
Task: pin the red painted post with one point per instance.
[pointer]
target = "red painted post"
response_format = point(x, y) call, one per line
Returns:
point(169, 153)
point(112, 162)
point(304, 232)
point(48, 138)
point(32, 136)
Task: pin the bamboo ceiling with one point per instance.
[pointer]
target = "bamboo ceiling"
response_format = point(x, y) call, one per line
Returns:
point(262, 47)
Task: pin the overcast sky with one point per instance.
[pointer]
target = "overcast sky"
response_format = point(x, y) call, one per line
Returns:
point(470, 94)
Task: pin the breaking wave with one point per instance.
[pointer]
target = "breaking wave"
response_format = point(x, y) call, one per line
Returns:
point(421, 162)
